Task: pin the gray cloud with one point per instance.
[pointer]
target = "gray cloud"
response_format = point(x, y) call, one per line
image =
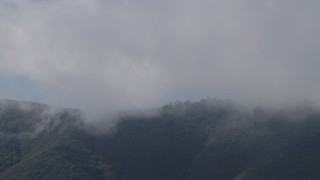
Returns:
point(124, 54)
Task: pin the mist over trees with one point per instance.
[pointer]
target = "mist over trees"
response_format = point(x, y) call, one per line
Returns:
point(209, 139)
point(120, 60)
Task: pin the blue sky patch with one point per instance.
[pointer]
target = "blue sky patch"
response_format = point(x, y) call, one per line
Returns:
point(21, 87)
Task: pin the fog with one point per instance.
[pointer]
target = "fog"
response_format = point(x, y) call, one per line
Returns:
point(107, 55)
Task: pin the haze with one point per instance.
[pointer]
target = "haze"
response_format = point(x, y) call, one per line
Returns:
point(118, 55)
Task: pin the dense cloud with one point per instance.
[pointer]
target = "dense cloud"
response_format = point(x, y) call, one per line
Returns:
point(123, 54)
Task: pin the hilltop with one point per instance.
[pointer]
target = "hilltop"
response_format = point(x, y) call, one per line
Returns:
point(209, 139)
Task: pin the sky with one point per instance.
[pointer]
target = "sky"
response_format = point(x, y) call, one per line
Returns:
point(112, 55)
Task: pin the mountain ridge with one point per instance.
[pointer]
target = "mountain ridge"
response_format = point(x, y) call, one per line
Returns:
point(209, 139)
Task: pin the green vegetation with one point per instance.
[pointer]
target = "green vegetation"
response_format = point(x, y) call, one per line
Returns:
point(210, 139)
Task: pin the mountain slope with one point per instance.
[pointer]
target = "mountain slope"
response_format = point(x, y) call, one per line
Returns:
point(210, 139)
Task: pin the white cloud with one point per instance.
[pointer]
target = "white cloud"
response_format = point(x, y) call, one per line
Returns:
point(123, 54)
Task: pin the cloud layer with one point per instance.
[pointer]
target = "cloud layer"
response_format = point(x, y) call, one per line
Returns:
point(109, 54)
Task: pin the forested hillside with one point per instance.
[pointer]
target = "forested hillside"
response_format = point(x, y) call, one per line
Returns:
point(205, 140)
